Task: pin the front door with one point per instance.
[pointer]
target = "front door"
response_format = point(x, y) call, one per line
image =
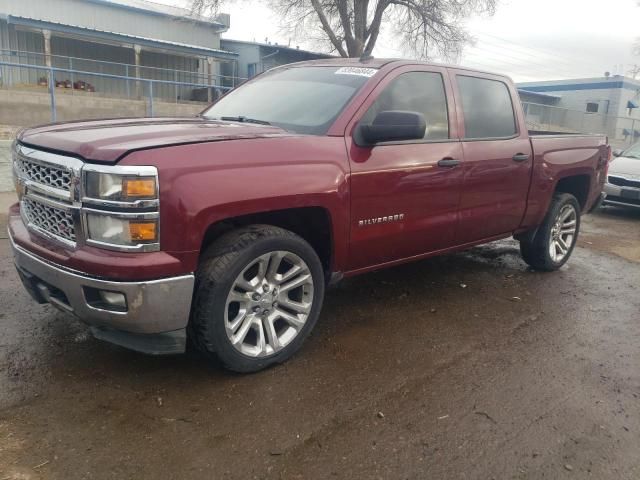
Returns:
point(404, 199)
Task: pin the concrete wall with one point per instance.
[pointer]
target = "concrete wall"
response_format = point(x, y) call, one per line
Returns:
point(27, 108)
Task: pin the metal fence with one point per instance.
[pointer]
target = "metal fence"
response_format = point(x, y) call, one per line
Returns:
point(58, 81)
point(622, 131)
point(113, 68)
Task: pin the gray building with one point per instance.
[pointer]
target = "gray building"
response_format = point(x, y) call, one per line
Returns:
point(254, 58)
point(605, 105)
point(124, 37)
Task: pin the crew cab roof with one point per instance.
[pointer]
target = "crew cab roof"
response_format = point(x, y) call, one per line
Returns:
point(380, 63)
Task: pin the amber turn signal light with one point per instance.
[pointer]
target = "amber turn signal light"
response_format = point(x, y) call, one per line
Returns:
point(139, 187)
point(143, 231)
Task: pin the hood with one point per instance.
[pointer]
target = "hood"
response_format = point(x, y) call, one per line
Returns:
point(109, 140)
point(625, 166)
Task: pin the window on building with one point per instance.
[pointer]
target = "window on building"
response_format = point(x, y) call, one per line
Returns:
point(592, 107)
point(416, 92)
point(252, 69)
point(487, 108)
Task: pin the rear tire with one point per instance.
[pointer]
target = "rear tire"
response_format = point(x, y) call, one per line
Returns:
point(555, 239)
point(248, 312)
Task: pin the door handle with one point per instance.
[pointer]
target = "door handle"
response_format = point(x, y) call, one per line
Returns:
point(520, 157)
point(449, 162)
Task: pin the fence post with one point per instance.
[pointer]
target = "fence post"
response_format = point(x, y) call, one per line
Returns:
point(150, 98)
point(52, 91)
point(126, 74)
point(175, 85)
point(71, 74)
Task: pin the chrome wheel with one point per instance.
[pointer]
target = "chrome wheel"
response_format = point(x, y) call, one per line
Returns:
point(563, 233)
point(268, 304)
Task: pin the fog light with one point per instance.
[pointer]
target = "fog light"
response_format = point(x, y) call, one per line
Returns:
point(105, 299)
point(113, 298)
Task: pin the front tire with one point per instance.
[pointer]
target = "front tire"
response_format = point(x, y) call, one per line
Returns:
point(555, 239)
point(259, 292)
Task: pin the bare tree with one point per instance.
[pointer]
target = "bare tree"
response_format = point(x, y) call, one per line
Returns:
point(352, 27)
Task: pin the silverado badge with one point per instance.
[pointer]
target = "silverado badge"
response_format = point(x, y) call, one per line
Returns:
point(386, 219)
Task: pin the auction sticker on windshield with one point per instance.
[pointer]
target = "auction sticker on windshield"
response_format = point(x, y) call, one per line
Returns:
point(363, 72)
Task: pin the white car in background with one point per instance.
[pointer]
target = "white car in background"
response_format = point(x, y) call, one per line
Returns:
point(623, 182)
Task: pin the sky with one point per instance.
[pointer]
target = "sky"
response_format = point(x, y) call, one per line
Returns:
point(527, 39)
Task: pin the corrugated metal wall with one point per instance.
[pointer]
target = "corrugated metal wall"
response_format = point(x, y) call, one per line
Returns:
point(88, 55)
point(12, 39)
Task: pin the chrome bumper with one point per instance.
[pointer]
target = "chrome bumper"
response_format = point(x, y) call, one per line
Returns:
point(613, 196)
point(154, 319)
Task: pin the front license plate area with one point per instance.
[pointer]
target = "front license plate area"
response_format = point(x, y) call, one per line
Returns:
point(631, 194)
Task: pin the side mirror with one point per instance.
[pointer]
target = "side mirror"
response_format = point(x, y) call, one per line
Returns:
point(393, 125)
point(617, 152)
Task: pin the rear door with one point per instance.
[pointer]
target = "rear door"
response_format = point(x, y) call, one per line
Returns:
point(497, 156)
point(404, 204)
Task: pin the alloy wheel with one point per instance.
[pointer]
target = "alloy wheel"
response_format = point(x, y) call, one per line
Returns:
point(563, 233)
point(269, 303)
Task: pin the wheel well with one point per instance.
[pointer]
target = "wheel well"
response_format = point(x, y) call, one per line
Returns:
point(311, 223)
point(578, 186)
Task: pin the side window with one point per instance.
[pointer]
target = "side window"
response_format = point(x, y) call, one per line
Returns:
point(416, 92)
point(487, 108)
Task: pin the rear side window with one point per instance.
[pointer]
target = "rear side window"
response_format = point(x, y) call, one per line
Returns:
point(487, 108)
point(421, 92)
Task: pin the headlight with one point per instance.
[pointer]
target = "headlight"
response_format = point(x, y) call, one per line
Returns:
point(120, 188)
point(124, 230)
point(121, 207)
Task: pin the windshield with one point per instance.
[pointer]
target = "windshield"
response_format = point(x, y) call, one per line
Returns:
point(299, 99)
point(632, 152)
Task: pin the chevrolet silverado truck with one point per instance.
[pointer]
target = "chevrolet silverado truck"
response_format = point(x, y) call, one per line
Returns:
point(222, 231)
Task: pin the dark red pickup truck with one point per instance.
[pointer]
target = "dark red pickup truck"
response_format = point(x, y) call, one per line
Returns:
point(225, 229)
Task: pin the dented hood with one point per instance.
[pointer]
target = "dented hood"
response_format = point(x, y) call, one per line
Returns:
point(109, 140)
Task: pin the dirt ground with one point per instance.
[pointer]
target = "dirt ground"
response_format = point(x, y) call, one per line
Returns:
point(466, 366)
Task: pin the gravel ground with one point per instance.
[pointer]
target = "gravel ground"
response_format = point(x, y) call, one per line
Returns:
point(465, 366)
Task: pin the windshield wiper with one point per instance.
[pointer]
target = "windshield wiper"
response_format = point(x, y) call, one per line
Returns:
point(243, 119)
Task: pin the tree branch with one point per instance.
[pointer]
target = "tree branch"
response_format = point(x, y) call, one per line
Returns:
point(327, 28)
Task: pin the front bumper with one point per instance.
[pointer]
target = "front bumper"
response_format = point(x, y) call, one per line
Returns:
point(153, 321)
point(614, 196)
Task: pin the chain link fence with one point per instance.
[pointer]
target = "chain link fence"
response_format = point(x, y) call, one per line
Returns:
point(622, 131)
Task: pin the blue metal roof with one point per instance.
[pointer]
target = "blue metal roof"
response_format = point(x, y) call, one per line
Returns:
point(183, 48)
point(580, 84)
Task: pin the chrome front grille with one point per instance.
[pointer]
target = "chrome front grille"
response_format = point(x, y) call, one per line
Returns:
point(624, 181)
point(49, 219)
point(48, 175)
point(47, 186)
